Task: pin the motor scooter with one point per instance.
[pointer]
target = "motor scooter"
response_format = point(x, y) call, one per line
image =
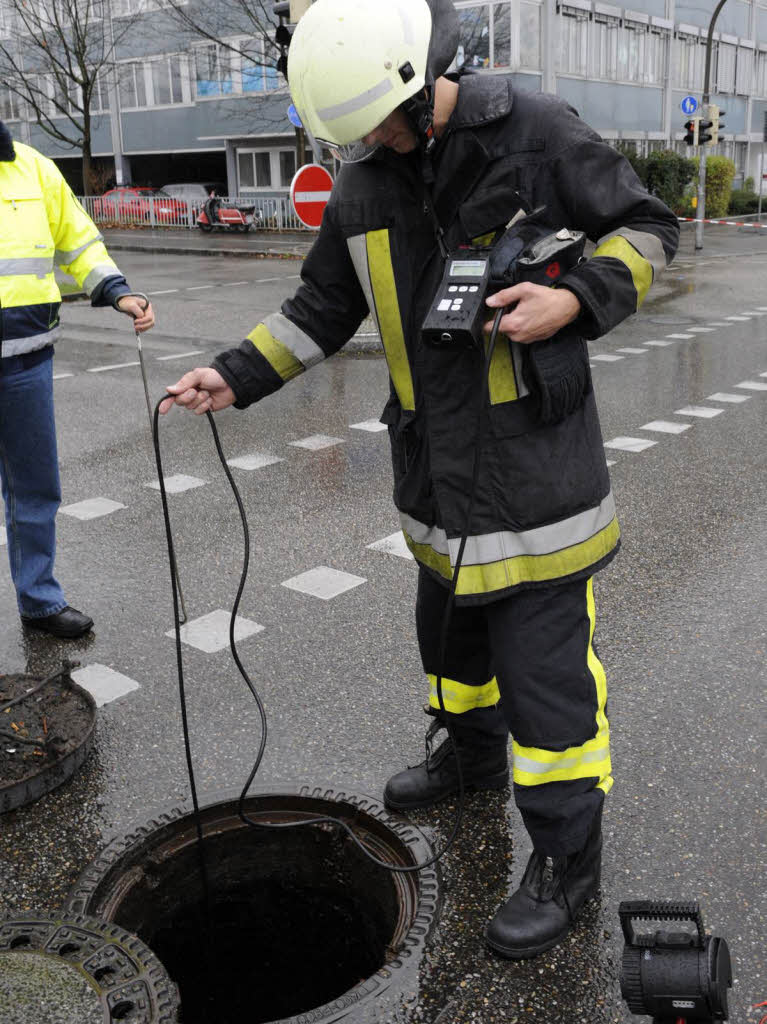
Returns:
point(229, 217)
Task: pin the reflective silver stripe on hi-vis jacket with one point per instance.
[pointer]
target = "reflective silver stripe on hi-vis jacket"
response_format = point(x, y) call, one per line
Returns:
point(67, 256)
point(20, 346)
point(40, 266)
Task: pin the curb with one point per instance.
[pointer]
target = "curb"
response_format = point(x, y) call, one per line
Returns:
point(180, 250)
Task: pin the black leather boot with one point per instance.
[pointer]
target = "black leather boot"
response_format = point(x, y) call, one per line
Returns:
point(553, 890)
point(484, 767)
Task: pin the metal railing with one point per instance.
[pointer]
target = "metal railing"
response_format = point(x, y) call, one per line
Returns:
point(270, 214)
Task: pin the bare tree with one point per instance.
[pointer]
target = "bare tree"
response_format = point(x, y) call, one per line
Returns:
point(56, 57)
point(243, 32)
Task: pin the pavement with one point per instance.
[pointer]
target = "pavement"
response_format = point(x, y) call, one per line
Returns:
point(682, 391)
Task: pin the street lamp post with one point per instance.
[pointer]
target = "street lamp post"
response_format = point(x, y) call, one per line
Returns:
point(701, 210)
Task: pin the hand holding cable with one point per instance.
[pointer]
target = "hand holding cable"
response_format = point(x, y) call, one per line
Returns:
point(137, 305)
point(200, 390)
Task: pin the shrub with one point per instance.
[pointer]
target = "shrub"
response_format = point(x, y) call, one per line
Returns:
point(719, 174)
point(743, 200)
point(668, 175)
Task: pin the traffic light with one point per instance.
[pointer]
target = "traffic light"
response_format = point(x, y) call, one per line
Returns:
point(704, 135)
point(283, 35)
point(716, 122)
point(691, 127)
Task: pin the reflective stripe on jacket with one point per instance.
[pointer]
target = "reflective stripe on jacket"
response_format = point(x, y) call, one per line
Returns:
point(544, 510)
point(41, 224)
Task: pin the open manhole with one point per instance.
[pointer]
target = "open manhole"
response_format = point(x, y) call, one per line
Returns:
point(46, 732)
point(73, 969)
point(300, 925)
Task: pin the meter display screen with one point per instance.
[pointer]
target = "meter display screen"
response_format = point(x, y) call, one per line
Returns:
point(467, 268)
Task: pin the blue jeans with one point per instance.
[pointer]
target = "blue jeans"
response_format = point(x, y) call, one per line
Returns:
point(29, 473)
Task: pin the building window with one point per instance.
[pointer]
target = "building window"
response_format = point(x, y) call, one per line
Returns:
point(744, 71)
point(254, 169)
point(10, 105)
point(761, 73)
point(167, 80)
point(530, 35)
point(725, 67)
point(474, 47)
point(573, 41)
point(131, 85)
point(214, 70)
point(258, 70)
point(287, 166)
point(690, 62)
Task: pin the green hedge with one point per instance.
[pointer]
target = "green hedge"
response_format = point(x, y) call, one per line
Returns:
point(664, 174)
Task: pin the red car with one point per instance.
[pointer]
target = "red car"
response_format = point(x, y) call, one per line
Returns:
point(134, 203)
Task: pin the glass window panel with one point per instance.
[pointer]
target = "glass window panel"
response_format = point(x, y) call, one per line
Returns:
point(126, 85)
point(245, 170)
point(160, 82)
point(474, 47)
point(502, 35)
point(530, 35)
point(263, 170)
point(176, 89)
point(206, 62)
point(287, 166)
point(252, 76)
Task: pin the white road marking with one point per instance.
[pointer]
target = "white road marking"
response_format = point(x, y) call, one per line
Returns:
point(394, 544)
point(93, 508)
point(180, 355)
point(659, 344)
point(739, 319)
point(753, 312)
point(324, 582)
point(701, 330)
point(373, 426)
point(752, 385)
point(233, 284)
point(317, 441)
point(210, 633)
point(114, 366)
point(165, 291)
point(253, 461)
point(682, 337)
point(61, 376)
point(719, 323)
point(634, 351)
point(103, 683)
point(605, 357)
point(630, 444)
point(705, 412)
point(198, 287)
point(611, 462)
point(177, 483)
point(722, 396)
point(666, 427)
point(271, 280)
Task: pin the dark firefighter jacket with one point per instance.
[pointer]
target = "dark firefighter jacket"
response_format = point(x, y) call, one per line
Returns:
point(544, 510)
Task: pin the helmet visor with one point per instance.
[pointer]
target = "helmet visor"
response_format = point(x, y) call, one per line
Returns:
point(353, 152)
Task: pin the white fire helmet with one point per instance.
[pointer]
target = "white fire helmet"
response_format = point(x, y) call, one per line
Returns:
point(352, 62)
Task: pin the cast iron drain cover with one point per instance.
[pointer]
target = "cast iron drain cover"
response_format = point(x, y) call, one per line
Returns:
point(299, 925)
point(66, 969)
point(670, 321)
point(44, 737)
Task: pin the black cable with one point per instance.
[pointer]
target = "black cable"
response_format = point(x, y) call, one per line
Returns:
point(320, 819)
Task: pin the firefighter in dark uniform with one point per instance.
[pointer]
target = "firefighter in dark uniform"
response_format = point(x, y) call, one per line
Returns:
point(461, 155)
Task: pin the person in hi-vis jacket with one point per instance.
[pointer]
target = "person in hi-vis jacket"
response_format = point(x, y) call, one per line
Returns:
point(41, 225)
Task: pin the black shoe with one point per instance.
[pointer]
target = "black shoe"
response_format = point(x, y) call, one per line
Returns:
point(483, 767)
point(542, 910)
point(68, 623)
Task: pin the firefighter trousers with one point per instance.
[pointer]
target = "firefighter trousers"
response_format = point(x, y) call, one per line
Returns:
point(526, 666)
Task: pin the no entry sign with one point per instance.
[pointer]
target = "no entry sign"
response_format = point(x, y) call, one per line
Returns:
point(309, 193)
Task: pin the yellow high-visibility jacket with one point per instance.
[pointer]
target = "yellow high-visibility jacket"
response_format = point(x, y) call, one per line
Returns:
point(41, 223)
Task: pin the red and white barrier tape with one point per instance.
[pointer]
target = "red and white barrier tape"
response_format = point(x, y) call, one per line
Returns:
point(732, 223)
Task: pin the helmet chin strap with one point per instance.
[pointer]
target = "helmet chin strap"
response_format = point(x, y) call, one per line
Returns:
point(419, 110)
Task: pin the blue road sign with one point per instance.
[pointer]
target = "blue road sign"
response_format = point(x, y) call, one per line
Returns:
point(293, 116)
point(689, 105)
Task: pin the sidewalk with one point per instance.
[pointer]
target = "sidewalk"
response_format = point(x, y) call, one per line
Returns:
point(254, 245)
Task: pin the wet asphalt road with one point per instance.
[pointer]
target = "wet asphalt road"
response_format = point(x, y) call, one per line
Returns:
point(680, 624)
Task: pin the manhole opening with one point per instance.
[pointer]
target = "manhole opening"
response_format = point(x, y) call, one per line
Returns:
point(297, 917)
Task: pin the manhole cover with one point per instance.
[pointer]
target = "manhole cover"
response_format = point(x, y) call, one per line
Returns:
point(56, 969)
point(669, 320)
point(300, 925)
point(46, 732)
